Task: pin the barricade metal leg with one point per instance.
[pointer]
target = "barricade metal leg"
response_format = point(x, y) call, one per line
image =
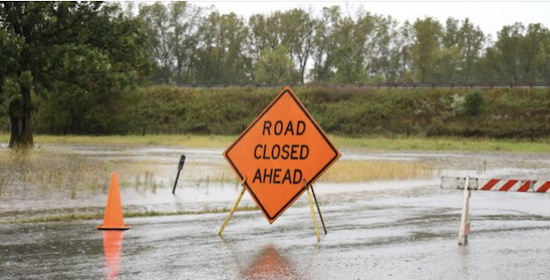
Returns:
point(233, 209)
point(464, 229)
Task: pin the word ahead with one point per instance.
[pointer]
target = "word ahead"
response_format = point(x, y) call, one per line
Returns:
point(281, 153)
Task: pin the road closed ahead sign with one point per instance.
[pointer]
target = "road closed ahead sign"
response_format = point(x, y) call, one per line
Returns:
point(279, 151)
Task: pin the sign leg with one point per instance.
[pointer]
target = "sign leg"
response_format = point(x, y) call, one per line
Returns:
point(464, 229)
point(313, 215)
point(318, 209)
point(233, 209)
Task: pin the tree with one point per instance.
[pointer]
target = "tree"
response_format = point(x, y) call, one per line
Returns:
point(222, 56)
point(297, 29)
point(173, 32)
point(78, 48)
point(156, 18)
point(275, 67)
point(10, 54)
point(425, 49)
point(324, 44)
point(471, 43)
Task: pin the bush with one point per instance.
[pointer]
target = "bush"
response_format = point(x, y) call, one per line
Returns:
point(473, 103)
point(496, 113)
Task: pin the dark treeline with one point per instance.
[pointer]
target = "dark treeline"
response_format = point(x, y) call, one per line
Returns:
point(193, 45)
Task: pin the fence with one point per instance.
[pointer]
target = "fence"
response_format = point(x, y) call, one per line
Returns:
point(380, 85)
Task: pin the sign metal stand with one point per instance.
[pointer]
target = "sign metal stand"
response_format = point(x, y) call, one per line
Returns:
point(233, 209)
point(313, 215)
point(224, 225)
point(318, 209)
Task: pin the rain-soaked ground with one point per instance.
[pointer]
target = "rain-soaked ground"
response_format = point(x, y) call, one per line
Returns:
point(386, 229)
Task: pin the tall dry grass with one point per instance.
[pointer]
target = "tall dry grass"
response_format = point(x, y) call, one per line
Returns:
point(366, 171)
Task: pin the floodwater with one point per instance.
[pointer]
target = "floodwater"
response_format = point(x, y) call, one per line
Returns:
point(376, 230)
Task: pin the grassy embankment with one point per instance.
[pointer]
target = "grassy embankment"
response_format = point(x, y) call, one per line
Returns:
point(365, 143)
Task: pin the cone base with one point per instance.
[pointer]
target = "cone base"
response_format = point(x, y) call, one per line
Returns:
point(113, 228)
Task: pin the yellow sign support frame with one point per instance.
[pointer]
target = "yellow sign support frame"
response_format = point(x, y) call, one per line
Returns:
point(224, 225)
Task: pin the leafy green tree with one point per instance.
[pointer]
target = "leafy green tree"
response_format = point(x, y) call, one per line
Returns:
point(519, 53)
point(264, 33)
point(222, 56)
point(425, 50)
point(185, 20)
point(71, 49)
point(10, 54)
point(324, 44)
point(156, 18)
point(276, 67)
point(173, 32)
point(297, 29)
point(471, 44)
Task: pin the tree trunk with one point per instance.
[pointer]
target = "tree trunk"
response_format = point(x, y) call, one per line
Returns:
point(20, 119)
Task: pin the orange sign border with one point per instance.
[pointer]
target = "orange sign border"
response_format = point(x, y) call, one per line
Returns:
point(309, 183)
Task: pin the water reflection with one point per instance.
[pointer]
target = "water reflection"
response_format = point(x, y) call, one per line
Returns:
point(463, 254)
point(269, 264)
point(112, 248)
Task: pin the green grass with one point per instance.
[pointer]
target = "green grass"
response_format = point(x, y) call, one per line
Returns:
point(129, 214)
point(366, 143)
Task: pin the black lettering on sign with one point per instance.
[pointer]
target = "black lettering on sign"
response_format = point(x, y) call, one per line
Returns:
point(258, 176)
point(267, 126)
point(287, 177)
point(265, 153)
point(299, 179)
point(278, 129)
point(277, 151)
point(303, 155)
point(300, 128)
point(276, 176)
point(275, 155)
point(294, 152)
point(289, 128)
point(268, 175)
point(256, 156)
point(273, 176)
point(285, 154)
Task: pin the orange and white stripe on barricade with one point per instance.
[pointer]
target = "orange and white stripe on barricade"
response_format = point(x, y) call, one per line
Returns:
point(468, 185)
point(501, 185)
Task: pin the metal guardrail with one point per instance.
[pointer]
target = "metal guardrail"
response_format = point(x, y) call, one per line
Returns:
point(380, 85)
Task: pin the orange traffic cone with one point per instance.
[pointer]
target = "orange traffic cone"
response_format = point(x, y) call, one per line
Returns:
point(113, 219)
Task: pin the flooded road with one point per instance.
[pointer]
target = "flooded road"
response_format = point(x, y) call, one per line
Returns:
point(408, 236)
point(381, 229)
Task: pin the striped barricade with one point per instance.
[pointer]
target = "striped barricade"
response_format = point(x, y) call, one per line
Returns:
point(501, 185)
point(478, 184)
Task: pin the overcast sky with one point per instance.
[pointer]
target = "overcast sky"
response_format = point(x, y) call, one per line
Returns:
point(490, 16)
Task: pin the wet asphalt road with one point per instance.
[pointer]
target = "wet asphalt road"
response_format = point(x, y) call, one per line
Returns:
point(382, 234)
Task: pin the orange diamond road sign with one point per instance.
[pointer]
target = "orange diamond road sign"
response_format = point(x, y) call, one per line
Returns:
point(279, 151)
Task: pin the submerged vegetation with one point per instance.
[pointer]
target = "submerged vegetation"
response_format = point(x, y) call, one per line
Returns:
point(345, 171)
